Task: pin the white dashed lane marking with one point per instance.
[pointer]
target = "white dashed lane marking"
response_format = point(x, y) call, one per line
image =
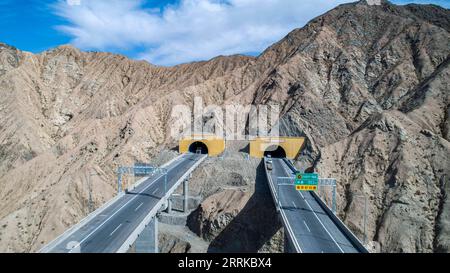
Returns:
point(115, 229)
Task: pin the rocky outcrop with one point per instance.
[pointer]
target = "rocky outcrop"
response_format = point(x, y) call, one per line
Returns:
point(234, 221)
point(70, 118)
point(216, 212)
point(402, 181)
point(171, 244)
point(367, 85)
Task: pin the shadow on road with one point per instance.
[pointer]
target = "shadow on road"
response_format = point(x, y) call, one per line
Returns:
point(255, 225)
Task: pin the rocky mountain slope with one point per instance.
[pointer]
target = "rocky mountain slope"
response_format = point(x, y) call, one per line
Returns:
point(368, 85)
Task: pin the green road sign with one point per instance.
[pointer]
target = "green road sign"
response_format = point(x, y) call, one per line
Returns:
point(306, 181)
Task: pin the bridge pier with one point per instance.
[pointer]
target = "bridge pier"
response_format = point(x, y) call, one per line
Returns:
point(185, 195)
point(169, 205)
point(147, 242)
point(288, 247)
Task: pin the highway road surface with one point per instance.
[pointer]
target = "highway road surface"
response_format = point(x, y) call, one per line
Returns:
point(107, 231)
point(313, 230)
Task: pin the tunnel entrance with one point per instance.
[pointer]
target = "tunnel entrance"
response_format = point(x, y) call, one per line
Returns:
point(198, 148)
point(275, 151)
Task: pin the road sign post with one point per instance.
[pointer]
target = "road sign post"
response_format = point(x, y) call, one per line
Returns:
point(280, 182)
point(119, 183)
point(139, 169)
point(330, 182)
point(365, 214)
point(334, 199)
point(165, 181)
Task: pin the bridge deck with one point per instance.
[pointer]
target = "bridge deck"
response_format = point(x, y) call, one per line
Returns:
point(109, 230)
point(309, 227)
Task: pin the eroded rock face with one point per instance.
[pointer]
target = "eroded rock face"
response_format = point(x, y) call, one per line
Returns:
point(69, 119)
point(368, 85)
point(171, 244)
point(235, 217)
point(369, 89)
point(235, 221)
point(403, 181)
point(216, 212)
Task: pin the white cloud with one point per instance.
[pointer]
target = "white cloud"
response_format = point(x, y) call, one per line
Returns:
point(187, 31)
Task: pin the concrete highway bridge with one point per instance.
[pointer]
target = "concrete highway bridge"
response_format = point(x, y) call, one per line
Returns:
point(131, 217)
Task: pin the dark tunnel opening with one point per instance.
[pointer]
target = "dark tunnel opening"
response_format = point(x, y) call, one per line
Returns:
point(198, 148)
point(275, 151)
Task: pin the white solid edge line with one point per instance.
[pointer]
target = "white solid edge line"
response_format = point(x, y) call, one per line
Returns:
point(283, 215)
point(70, 231)
point(306, 201)
point(332, 238)
point(290, 230)
point(132, 237)
point(112, 215)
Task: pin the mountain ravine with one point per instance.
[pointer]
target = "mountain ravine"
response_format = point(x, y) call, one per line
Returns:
point(367, 85)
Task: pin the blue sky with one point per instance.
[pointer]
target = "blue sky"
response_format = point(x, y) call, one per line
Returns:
point(163, 32)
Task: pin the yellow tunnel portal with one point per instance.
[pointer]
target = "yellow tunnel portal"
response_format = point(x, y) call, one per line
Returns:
point(289, 147)
point(275, 151)
point(198, 147)
point(204, 144)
